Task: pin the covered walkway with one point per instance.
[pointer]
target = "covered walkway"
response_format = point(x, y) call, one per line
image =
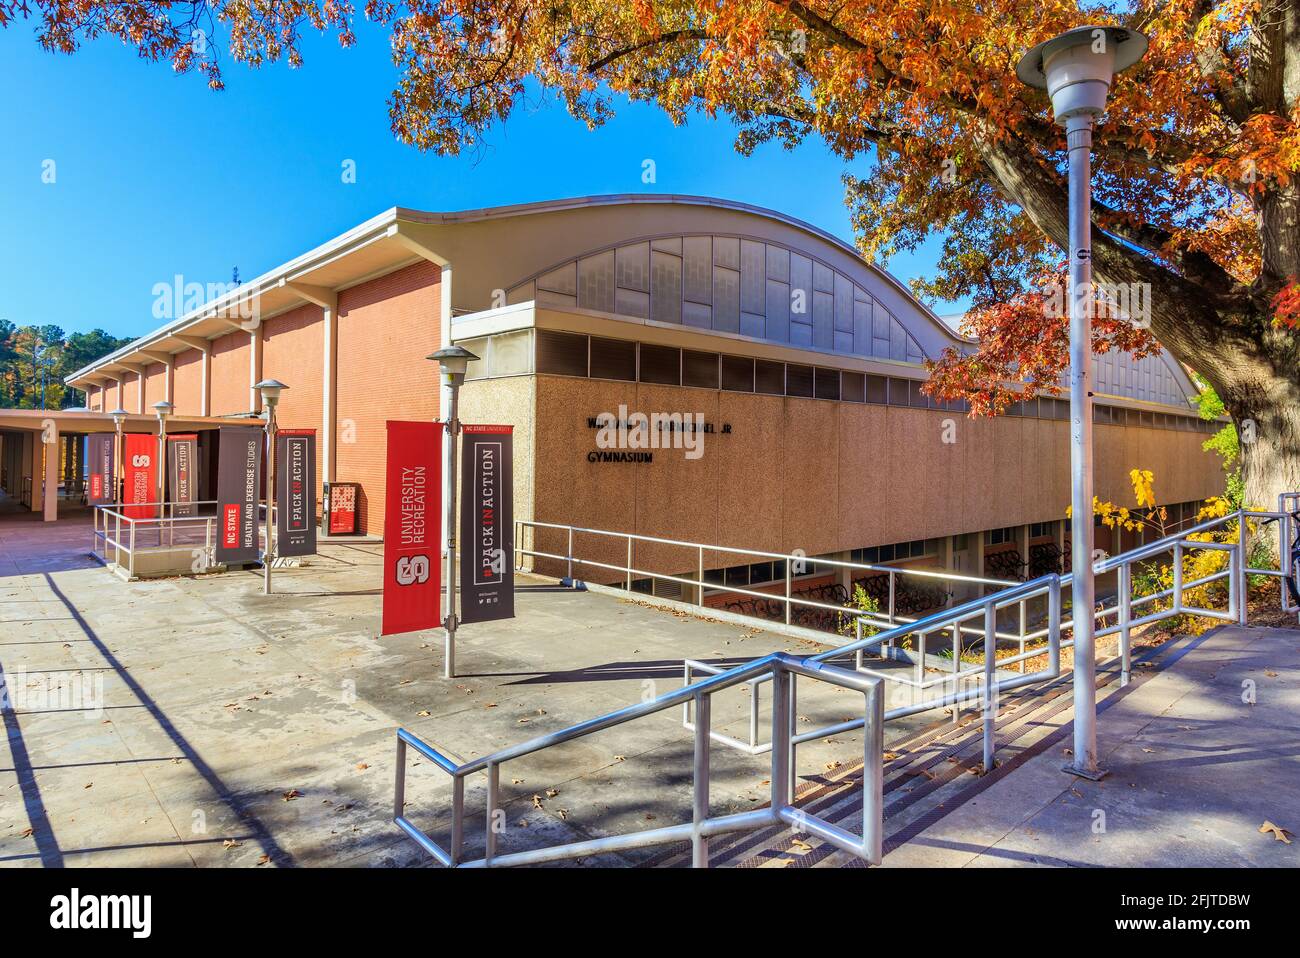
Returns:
point(43, 455)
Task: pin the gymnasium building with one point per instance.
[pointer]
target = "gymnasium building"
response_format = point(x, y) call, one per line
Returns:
point(797, 365)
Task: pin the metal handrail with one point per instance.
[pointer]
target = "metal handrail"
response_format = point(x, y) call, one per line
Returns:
point(889, 617)
point(110, 537)
point(981, 679)
point(782, 669)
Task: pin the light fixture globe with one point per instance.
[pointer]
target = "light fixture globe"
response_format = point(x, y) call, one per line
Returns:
point(270, 390)
point(119, 416)
point(454, 360)
point(163, 409)
point(1076, 67)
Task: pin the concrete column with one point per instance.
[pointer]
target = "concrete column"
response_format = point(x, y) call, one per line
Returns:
point(845, 576)
point(945, 561)
point(31, 468)
point(50, 442)
point(329, 392)
point(254, 367)
point(205, 393)
point(169, 378)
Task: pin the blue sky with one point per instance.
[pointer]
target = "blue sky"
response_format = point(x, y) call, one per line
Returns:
point(155, 175)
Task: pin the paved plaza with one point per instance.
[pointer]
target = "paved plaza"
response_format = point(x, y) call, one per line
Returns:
point(218, 726)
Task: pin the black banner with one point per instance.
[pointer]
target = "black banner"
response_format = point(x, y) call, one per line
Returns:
point(487, 574)
point(239, 487)
point(102, 487)
point(182, 474)
point(295, 492)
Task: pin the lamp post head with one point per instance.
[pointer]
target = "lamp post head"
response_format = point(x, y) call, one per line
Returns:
point(1076, 67)
point(119, 417)
point(270, 390)
point(163, 409)
point(454, 360)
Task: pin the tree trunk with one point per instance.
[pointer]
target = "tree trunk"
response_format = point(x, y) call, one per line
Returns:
point(1266, 412)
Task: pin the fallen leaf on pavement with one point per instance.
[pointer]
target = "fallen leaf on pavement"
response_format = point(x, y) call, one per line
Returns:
point(1279, 833)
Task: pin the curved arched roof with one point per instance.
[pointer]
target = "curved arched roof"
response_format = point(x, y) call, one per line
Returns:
point(723, 249)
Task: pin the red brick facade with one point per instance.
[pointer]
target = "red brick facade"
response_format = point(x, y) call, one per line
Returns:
point(187, 383)
point(386, 328)
point(293, 352)
point(230, 393)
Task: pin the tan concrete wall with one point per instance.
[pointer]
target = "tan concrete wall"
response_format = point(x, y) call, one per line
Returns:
point(828, 476)
point(95, 398)
point(507, 402)
point(386, 328)
point(187, 383)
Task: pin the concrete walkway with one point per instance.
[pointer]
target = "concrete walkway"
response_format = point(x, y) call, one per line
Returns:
point(1194, 770)
point(195, 721)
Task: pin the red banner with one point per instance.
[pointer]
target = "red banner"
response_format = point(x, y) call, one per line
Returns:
point(413, 528)
point(141, 475)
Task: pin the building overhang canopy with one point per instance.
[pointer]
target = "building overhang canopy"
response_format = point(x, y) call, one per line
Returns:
point(85, 421)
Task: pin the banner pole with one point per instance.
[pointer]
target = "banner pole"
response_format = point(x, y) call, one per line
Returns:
point(269, 556)
point(449, 622)
point(453, 361)
point(269, 390)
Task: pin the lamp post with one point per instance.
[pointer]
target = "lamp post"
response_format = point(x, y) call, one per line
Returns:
point(163, 409)
point(270, 391)
point(1076, 70)
point(452, 361)
point(119, 418)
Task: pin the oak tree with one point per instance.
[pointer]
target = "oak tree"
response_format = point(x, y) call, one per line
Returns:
point(1195, 197)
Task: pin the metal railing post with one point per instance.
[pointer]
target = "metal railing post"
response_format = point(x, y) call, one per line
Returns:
point(399, 783)
point(700, 578)
point(781, 771)
point(873, 774)
point(990, 682)
point(457, 818)
point(1235, 590)
point(1177, 596)
point(1243, 594)
point(700, 798)
point(787, 591)
point(568, 555)
point(131, 556)
point(490, 837)
point(1023, 614)
point(1125, 614)
point(956, 670)
point(920, 658)
point(629, 563)
point(792, 715)
point(891, 599)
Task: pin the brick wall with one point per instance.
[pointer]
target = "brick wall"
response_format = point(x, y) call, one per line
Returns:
point(386, 328)
point(130, 393)
point(155, 385)
point(187, 383)
point(230, 373)
point(293, 352)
